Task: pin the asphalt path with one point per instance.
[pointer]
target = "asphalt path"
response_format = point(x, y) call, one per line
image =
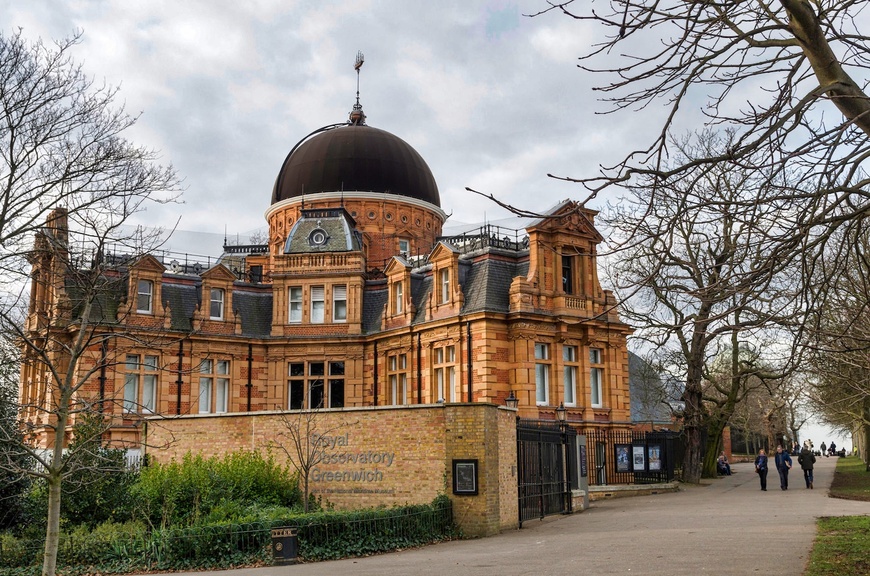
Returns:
point(726, 526)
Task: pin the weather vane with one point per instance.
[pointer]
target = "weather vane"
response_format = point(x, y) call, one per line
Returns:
point(360, 59)
point(357, 116)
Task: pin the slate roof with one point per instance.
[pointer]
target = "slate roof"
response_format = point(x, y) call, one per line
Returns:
point(104, 308)
point(421, 286)
point(374, 302)
point(488, 283)
point(181, 301)
point(341, 236)
point(255, 312)
point(649, 396)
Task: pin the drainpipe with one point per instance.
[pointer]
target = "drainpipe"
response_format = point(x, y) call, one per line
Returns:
point(375, 384)
point(250, 369)
point(419, 371)
point(104, 352)
point(179, 380)
point(468, 339)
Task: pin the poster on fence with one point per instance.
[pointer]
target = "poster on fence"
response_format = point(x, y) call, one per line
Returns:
point(639, 458)
point(623, 457)
point(654, 453)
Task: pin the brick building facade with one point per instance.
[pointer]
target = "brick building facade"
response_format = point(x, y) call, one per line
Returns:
point(356, 300)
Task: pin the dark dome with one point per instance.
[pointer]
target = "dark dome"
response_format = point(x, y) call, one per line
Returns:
point(356, 158)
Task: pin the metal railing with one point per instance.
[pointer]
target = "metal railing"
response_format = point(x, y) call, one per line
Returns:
point(321, 537)
point(629, 457)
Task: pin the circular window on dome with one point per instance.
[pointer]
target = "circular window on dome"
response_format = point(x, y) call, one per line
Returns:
point(428, 225)
point(389, 215)
point(404, 219)
point(353, 213)
point(417, 221)
point(317, 237)
point(372, 215)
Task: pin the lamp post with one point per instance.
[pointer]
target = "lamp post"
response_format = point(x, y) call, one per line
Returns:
point(562, 417)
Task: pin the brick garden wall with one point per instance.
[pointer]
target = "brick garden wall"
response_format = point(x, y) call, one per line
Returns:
point(375, 456)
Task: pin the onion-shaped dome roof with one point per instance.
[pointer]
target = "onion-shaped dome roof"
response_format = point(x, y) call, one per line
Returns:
point(356, 157)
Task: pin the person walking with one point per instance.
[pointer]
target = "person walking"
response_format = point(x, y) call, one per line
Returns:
point(761, 468)
point(783, 465)
point(824, 450)
point(806, 459)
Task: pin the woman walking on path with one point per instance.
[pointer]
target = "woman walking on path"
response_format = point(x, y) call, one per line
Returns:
point(806, 460)
point(783, 465)
point(761, 468)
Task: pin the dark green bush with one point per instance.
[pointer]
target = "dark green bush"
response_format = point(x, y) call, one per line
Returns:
point(201, 490)
point(119, 548)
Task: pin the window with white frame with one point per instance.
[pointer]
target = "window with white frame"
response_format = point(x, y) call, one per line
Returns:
point(542, 374)
point(445, 374)
point(140, 383)
point(144, 296)
point(404, 246)
point(444, 283)
point(596, 376)
point(398, 298)
point(397, 365)
point(216, 304)
point(295, 298)
point(214, 386)
point(569, 374)
point(318, 304)
point(339, 303)
point(322, 381)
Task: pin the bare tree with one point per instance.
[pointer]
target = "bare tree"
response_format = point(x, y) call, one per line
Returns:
point(793, 56)
point(64, 161)
point(838, 340)
point(305, 440)
point(696, 274)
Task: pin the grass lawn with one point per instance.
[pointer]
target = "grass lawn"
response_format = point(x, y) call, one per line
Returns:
point(851, 480)
point(842, 544)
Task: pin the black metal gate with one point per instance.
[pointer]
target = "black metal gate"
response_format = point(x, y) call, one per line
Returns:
point(544, 454)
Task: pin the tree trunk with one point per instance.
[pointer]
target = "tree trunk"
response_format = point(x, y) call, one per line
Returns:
point(692, 458)
point(714, 446)
point(52, 530)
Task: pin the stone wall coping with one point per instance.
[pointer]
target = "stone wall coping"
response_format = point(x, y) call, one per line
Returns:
point(348, 410)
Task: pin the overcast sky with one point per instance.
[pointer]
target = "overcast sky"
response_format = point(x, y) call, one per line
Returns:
point(491, 98)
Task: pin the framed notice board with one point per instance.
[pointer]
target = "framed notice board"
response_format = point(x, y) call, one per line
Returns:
point(465, 477)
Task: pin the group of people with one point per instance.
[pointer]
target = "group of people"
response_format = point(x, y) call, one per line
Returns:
point(831, 450)
point(783, 464)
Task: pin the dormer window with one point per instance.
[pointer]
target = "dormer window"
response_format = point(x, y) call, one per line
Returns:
point(144, 296)
point(444, 283)
point(216, 304)
point(398, 301)
point(318, 237)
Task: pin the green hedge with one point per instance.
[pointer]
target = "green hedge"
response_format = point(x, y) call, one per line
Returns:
point(120, 548)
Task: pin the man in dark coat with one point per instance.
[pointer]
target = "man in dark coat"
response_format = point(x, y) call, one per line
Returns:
point(783, 465)
point(806, 459)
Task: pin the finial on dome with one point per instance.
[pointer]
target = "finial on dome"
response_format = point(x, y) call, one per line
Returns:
point(357, 116)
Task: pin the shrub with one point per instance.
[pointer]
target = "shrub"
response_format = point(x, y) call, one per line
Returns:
point(198, 490)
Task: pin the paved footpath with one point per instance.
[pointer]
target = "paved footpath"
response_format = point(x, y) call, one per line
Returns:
point(724, 527)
